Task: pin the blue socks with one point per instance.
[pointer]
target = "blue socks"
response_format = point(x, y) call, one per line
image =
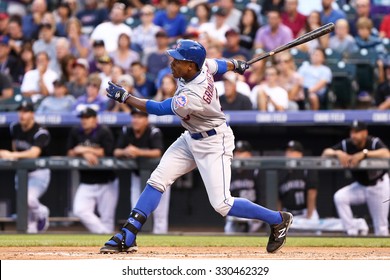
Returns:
point(148, 201)
point(244, 208)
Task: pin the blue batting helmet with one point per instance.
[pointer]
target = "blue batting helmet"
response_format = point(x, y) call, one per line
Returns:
point(189, 50)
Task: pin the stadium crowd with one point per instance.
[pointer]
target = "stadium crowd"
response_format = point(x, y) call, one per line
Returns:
point(60, 54)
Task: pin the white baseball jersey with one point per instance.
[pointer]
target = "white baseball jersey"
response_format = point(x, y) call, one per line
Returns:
point(197, 104)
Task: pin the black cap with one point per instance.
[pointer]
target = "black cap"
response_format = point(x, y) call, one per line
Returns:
point(87, 113)
point(232, 31)
point(26, 107)
point(358, 125)
point(243, 146)
point(98, 43)
point(294, 146)
point(135, 111)
point(59, 82)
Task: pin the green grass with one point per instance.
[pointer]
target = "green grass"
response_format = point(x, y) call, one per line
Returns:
point(71, 240)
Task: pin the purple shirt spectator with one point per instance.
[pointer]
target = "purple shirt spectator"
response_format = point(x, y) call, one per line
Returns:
point(270, 40)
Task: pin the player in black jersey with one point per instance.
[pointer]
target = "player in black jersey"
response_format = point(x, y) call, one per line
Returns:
point(30, 140)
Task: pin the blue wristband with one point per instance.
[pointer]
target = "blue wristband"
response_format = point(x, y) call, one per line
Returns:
point(222, 66)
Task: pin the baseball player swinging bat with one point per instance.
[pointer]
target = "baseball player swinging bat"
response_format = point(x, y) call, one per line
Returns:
point(316, 33)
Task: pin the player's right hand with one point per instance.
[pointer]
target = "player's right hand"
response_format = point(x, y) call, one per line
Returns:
point(117, 92)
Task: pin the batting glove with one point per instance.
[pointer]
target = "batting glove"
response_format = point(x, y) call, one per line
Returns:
point(239, 66)
point(117, 92)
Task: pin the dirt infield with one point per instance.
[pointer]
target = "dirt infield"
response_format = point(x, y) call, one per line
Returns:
point(293, 253)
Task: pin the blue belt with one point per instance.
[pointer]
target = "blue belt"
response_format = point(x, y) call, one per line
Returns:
point(199, 135)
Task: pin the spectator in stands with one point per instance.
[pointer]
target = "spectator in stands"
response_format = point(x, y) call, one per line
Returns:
point(59, 102)
point(316, 79)
point(248, 27)
point(167, 89)
point(215, 30)
point(384, 31)
point(38, 83)
point(297, 189)
point(313, 21)
point(244, 183)
point(271, 6)
point(255, 74)
point(78, 86)
point(73, 5)
point(144, 35)
point(127, 82)
point(16, 36)
point(363, 10)
point(158, 59)
point(30, 141)
point(232, 46)
point(62, 50)
point(6, 88)
point(370, 187)
point(272, 97)
point(98, 51)
point(9, 64)
point(66, 63)
point(365, 39)
point(97, 195)
point(91, 98)
point(232, 99)
point(329, 14)
point(110, 31)
point(124, 56)
point(142, 140)
point(292, 18)
point(47, 41)
point(31, 22)
point(274, 34)
point(290, 80)
point(233, 14)
point(171, 20)
point(105, 65)
point(79, 43)
point(342, 42)
point(142, 83)
point(27, 60)
point(4, 21)
point(91, 16)
point(382, 94)
point(63, 13)
point(202, 15)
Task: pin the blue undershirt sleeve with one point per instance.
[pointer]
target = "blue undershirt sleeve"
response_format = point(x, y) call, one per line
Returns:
point(159, 108)
point(222, 66)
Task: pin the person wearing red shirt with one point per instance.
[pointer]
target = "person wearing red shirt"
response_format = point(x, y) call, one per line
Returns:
point(292, 18)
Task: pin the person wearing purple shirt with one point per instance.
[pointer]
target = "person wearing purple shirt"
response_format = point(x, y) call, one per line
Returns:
point(274, 34)
point(92, 98)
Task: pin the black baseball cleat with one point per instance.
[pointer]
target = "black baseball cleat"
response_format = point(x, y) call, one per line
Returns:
point(117, 245)
point(278, 233)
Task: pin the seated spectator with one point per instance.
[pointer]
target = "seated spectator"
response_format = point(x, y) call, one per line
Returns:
point(123, 56)
point(157, 59)
point(382, 94)
point(91, 98)
point(78, 85)
point(62, 50)
point(38, 83)
point(292, 18)
point(27, 58)
point(329, 14)
point(249, 24)
point(232, 47)
point(342, 42)
point(16, 36)
point(66, 64)
point(91, 16)
point(59, 102)
point(9, 64)
point(31, 22)
point(313, 21)
point(274, 34)
point(98, 50)
point(142, 83)
point(363, 10)
point(384, 31)
point(255, 74)
point(202, 15)
point(316, 79)
point(62, 14)
point(171, 20)
point(79, 43)
point(167, 89)
point(272, 97)
point(105, 65)
point(144, 35)
point(232, 99)
point(289, 79)
point(233, 14)
point(365, 39)
point(215, 30)
point(6, 89)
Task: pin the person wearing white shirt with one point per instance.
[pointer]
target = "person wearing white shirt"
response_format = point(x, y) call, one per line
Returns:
point(216, 31)
point(38, 83)
point(109, 31)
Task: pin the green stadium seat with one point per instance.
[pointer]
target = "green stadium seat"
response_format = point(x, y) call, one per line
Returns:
point(299, 56)
point(332, 56)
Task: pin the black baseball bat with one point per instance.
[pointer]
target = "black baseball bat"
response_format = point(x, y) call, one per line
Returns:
point(320, 31)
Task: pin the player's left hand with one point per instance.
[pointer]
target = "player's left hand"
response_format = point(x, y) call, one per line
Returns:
point(239, 66)
point(117, 92)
